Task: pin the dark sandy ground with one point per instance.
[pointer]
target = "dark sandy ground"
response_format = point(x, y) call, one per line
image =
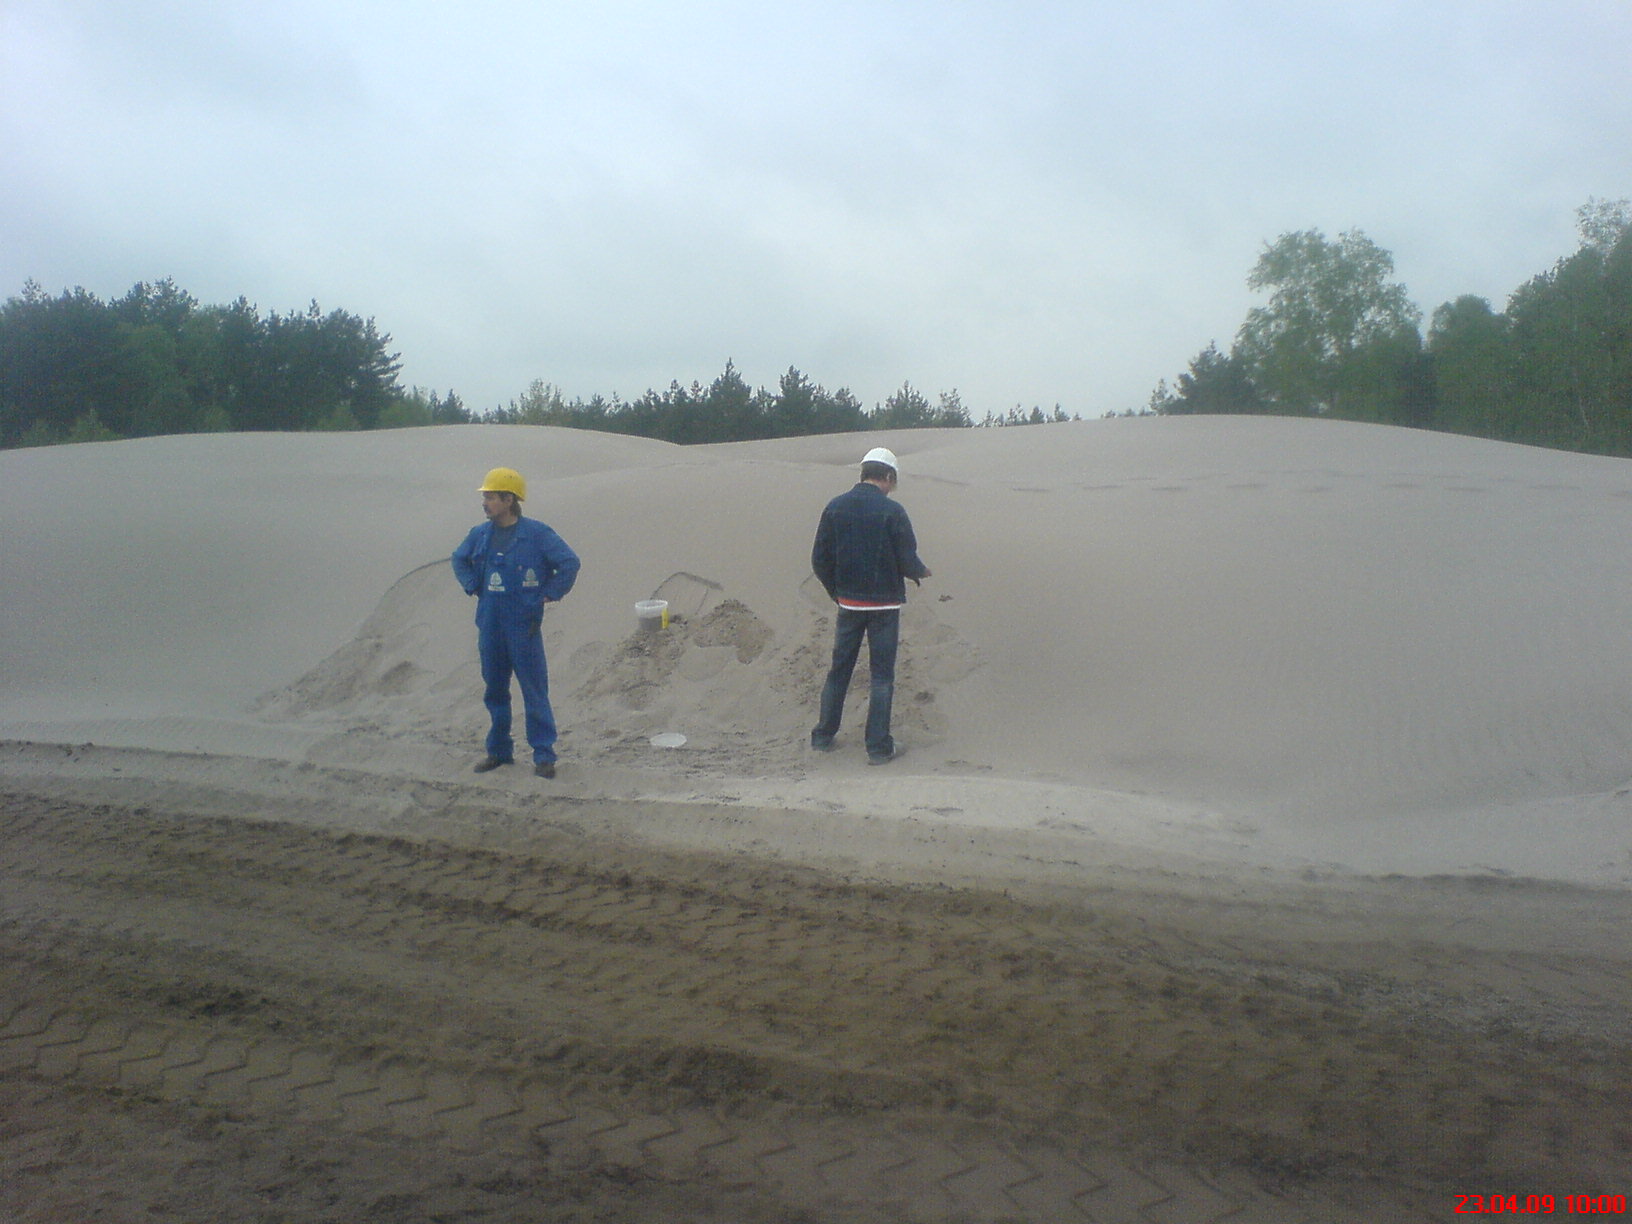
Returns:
point(215, 1016)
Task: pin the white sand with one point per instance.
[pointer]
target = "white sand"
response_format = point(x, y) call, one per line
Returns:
point(1222, 643)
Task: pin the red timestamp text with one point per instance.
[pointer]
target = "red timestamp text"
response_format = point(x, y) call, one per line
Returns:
point(1541, 1204)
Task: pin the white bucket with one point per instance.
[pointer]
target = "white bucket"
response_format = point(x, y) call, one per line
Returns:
point(652, 615)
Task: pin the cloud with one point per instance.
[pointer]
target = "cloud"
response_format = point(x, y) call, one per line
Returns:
point(1031, 202)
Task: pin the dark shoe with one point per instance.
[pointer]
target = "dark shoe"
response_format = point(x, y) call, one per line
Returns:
point(544, 769)
point(822, 745)
point(884, 758)
point(487, 763)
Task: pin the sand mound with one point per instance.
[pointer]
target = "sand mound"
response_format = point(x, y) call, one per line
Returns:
point(1365, 645)
point(402, 650)
point(1175, 686)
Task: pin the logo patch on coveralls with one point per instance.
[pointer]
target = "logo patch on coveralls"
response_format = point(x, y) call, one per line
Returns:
point(495, 582)
point(530, 578)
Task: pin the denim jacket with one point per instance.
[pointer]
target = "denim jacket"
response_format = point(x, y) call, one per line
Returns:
point(865, 548)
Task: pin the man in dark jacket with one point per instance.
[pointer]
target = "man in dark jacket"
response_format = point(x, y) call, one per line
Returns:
point(514, 566)
point(863, 555)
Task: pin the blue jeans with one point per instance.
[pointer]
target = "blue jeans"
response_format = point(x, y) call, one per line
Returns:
point(517, 650)
point(883, 633)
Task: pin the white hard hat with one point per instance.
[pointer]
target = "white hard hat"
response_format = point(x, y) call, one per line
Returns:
point(881, 455)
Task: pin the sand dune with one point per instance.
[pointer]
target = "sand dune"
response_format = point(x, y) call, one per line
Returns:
point(1108, 943)
point(1255, 641)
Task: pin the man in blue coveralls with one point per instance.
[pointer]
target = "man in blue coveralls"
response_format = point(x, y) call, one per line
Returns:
point(514, 566)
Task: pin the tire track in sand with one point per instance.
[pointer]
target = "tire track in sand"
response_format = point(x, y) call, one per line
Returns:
point(760, 1039)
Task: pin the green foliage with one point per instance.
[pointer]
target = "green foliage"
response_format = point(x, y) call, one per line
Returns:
point(156, 362)
point(89, 428)
point(728, 410)
point(1470, 348)
point(908, 408)
point(411, 410)
point(417, 408)
point(1570, 341)
point(1214, 383)
point(450, 410)
point(1333, 325)
point(801, 407)
point(1338, 338)
point(1019, 416)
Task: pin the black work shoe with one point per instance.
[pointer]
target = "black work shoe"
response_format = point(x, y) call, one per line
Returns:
point(884, 758)
point(822, 745)
point(487, 763)
point(544, 769)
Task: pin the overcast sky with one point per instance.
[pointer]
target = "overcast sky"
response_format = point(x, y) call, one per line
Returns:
point(1029, 202)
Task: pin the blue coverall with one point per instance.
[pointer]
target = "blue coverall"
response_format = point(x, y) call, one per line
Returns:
point(511, 589)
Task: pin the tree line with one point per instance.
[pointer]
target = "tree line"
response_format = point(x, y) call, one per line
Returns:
point(727, 410)
point(1339, 338)
point(75, 368)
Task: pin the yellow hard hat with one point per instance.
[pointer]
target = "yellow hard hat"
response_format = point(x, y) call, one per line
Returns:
point(505, 480)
